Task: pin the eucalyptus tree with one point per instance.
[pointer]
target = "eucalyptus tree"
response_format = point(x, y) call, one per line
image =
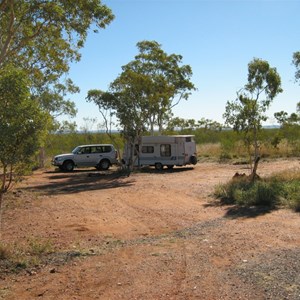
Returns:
point(169, 81)
point(284, 118)
point(248, 111)
point(43, 37)
point(291, 121)
point(295, 117)
point(143, 95)
point(23, 126)
point(296, 62)
point(125, 101)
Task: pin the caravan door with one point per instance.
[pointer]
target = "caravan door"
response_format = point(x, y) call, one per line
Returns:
point(189, 149)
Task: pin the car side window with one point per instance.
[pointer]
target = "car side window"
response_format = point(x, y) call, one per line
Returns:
point(106, 149)
point(86, 150)
point(95, 149)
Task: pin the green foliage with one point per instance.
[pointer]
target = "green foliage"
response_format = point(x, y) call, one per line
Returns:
point(168, 81)
point(247, 192)
point(58, 143)
point(181, 124)
point(16, 257)
point(43, 38)
point(46, 35)
point(214, 144)
point(145, 92)
point(296, 62)
point(22, 123)
point(39, 247)
point(278, 190)
point(289, 120)
point(292, 194)
point(143, 95)
point(248, 111)
point(23, 126)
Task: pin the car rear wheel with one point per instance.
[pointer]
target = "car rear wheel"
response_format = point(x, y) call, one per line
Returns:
point(104, 165)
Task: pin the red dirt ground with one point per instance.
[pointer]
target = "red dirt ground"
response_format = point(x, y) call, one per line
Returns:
point(152, 235)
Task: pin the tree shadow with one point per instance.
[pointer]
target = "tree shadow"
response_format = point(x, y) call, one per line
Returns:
point(79, 181)
point(237, 212)
point(234, 211)
point(151, 170)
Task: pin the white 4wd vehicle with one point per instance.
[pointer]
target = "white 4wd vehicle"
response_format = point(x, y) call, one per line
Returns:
point(100, 156)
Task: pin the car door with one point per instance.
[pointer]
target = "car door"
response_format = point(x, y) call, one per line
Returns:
point(83, 157)
point(95, 155)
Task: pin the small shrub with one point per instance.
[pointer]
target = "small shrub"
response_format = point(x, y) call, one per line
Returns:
point(292, 195)
point(209, 150)
point(281, 189)
point(242, 191)
point(232, 192)
point(268, 193)
point(225, 156)
point(4, 252)
point(39, 247)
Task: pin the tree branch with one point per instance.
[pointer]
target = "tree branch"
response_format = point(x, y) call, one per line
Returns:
point(3, 4)
point(10, 32)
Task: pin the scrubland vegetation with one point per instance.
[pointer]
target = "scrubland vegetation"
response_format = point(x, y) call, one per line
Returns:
point(218, 145)
point(280, 190)
point(225, 146)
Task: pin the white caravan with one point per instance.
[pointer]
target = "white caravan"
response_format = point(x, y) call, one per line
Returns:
point(160, 151)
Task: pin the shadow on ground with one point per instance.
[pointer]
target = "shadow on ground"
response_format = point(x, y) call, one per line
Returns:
point(58, 182)
point(237, 211)
point(164, 170)
point(247, 212)
point(78, 181)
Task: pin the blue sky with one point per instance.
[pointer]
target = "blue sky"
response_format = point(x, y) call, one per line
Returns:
point(216, 38)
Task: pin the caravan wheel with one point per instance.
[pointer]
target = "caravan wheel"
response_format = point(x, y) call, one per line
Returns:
point(193, 160)
point(159, 166)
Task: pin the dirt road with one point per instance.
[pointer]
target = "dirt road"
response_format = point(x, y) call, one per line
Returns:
point(152, 235)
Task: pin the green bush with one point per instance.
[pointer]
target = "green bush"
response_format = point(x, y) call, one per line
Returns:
point(19, 256)
point(292, 195)
point(272, 192)
point(39, 247)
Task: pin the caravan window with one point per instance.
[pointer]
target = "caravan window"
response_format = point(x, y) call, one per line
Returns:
point(165, 150)
point(147, 149)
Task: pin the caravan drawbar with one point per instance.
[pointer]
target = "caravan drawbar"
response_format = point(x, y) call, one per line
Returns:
point(160, 151)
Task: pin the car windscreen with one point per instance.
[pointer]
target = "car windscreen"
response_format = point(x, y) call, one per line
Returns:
point(76, 150)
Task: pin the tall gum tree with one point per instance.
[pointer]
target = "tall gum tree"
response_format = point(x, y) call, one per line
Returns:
point(248, 111)
point(296, 61)
point(283, 118)
point(43, 37)
point(169, 81)
point(143, 95)
point(23, 127)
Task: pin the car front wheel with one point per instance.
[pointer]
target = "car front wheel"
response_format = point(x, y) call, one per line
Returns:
point(68, 166)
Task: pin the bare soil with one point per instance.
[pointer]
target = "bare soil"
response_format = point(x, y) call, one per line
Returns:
point(152, 235)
